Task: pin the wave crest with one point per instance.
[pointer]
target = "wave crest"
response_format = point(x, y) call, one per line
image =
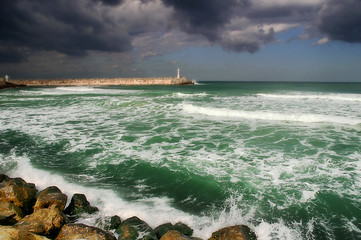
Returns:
point(268, 116)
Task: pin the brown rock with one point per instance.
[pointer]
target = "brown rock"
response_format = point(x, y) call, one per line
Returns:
point(3, 179)
point(19, 192)
point(10, 233)
point(175, 235)
point(180, 227)
point(134, 229)
point(46, 221)
point(9, 213)
point(81, 231)
point(239, 232)
point(51, 197)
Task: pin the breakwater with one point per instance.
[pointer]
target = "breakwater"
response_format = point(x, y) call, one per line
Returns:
point(104, 81)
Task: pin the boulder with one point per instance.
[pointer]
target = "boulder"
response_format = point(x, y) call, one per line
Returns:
point(81, 231)
point(239, 232)
point(45, 221)
point(19, 192)
point(3, 179)
point(180, 227)
point(10, 233)
point(175, 235)
point(112, 223)
point(133, 228)
point(51, 197)
point(9, 213)
point(79, 205)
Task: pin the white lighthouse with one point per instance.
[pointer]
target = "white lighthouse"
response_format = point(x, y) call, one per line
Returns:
point(178, 73)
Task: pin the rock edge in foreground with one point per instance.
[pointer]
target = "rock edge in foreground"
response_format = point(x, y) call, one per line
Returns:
point(27, 214)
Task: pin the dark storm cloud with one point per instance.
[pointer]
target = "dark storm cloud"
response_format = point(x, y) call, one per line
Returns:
point(70, 27)
point(77, 27)
point(249, 45)
point(212, 20)
point(341, 20)
point(109, 2)
point(290, 13)
point(204, 17)
point(10, 54)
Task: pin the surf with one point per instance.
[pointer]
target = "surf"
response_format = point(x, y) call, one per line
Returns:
point(268, 116)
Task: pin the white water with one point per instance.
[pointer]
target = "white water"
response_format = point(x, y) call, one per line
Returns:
point(265, 167)
point(269, 116)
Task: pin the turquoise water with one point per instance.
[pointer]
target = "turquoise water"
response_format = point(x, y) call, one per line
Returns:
point(283, 158)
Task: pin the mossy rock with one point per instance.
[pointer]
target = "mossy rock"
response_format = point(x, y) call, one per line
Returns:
point(180, 227)
point(175, 235)
point(51, 197)
point(79, 205)
point(133, 228)
point(9, 213)
point(19, 192)
point(82, 231)
point(238, 232)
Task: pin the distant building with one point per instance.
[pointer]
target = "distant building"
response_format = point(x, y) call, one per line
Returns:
point(6, 77)
point(178, 73)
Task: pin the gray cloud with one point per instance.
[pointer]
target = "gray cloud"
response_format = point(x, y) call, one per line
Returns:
point(109, 2)
point(146, 28)
point(67, 27)
point(204, 17)
point(341, 20)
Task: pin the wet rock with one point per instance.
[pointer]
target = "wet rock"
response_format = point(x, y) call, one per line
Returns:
point(9, 213)
point(51, 197)
point(113, 223)
point(79, 205)
point(3, 178)
point(175, 235)
point(239, 232)
point(46, 221)
point(133, 228)
point(180, 227)
point(11, 233)
point(81, 231)
point(19, 192)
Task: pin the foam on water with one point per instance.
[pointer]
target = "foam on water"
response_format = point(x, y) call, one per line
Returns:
point(268, 116)
point(189, 95)
point(74, 90)
point(267, 154)
point(332, 97)
point(154, 211)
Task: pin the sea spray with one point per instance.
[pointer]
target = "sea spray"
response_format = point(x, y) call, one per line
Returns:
point(281, 158)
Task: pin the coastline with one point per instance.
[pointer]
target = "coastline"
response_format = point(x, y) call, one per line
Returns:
point(27, 213)
point(102, 82)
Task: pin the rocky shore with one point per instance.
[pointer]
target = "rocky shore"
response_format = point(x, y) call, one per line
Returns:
point(4, 84)
point(27, 214)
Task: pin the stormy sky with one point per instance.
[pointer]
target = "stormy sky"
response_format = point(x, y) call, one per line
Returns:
point(249, 40)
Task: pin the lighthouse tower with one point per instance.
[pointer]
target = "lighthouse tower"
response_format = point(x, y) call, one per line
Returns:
point(178, 73)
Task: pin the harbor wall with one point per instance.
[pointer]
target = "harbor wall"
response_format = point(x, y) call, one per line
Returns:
point(103, 82)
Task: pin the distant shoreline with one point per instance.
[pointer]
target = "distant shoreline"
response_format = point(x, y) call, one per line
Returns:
point(100, 82)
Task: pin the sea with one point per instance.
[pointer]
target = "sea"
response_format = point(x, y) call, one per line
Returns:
point(282, 158)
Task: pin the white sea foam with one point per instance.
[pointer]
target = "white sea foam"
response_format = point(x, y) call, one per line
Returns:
point(77, 90)
point(254, 157)
point(268, 116)
point(336, 97)
point(155, 210)
point(189, 95)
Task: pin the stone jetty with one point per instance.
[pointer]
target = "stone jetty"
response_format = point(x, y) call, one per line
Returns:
point(103, 82)
point(27, 214)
